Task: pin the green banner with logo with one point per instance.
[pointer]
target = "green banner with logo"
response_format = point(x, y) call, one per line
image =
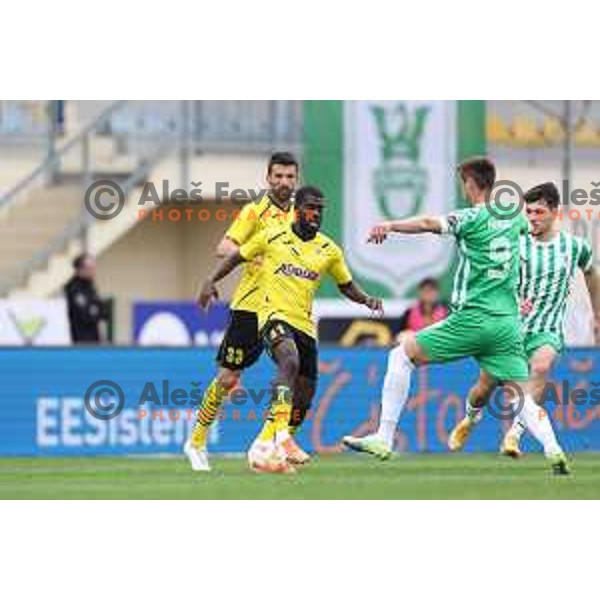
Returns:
point(389, 159)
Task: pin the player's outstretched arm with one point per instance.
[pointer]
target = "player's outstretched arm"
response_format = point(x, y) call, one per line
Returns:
point(420, 224)
point(592, 281)
point(227, 247)
point(208, 292)
point(354, 293)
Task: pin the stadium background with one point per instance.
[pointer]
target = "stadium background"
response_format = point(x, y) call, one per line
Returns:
point(373, 160)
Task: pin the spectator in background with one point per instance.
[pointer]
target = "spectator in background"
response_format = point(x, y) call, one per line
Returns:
point(85, 307)
point(427, 310)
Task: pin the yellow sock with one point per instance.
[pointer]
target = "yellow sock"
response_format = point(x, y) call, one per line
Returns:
point(267, 433)
point(276, 425)
point(211, 402)
point(281, 409)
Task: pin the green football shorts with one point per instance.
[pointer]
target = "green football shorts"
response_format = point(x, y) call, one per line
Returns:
point(534, 341)
point(496, 343)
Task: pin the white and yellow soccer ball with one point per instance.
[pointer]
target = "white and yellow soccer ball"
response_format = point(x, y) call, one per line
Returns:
point(267, 457)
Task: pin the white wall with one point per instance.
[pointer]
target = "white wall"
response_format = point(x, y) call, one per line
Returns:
point(159, 260)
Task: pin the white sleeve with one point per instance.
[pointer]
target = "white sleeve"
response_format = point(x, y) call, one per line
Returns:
point(444, 226)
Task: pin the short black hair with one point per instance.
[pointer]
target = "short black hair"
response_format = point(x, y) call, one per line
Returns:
point(286, 159)
point(547, 192)
point(79, 260)
point(429, 282)
point(481, 169)
point(305, 192)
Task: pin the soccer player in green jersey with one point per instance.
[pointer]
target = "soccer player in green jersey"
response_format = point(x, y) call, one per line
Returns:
point(550, 258)
point(484, 322)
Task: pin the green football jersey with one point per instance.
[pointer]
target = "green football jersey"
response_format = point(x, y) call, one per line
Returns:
point(487, 275)
point(547, 273)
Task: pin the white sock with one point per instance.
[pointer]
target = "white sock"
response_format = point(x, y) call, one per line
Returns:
point(394, 393)
point(473, 413)
point(517, 428)
point(537, 422)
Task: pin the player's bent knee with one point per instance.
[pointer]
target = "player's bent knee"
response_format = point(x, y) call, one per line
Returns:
point(228, 380)
point(542, 362)
point(541, 368)
point(413, 351)
point(408, 342)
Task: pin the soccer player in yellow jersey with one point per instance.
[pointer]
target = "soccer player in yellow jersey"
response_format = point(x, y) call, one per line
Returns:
point(294, 260)
point(242, 345)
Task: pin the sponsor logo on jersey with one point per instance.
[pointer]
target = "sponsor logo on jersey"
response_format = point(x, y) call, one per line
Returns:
point(294, 271)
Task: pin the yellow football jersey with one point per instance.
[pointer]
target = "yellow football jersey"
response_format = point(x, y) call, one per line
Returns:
point(254, 218)
point(291, 274)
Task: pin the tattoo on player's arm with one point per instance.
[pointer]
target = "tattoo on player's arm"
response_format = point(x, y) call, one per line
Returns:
point(227, 265)
point(353, 292)
point(226, 247)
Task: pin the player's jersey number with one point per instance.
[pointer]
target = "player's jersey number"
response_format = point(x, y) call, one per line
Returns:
point(500, 253)
point(234, 356)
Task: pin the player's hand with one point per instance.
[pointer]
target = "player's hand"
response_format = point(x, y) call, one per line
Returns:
point(376, 305)
point(378, 233)
point(207, 295)
point(526, 307)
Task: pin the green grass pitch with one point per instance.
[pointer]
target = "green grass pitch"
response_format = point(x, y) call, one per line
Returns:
point(468, 476)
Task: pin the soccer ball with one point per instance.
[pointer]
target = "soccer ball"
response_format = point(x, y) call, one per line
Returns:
point(267, 457)
point(262, 454)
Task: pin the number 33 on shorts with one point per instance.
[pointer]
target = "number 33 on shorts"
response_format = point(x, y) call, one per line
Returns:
point(234, 356)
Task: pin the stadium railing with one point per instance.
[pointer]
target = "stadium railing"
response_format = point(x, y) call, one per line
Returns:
point(139, 134)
